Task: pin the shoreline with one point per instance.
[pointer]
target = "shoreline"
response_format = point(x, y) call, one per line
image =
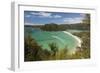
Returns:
point(77, 38)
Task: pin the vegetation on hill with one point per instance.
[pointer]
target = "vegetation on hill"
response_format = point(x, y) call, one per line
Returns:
point(61, 27)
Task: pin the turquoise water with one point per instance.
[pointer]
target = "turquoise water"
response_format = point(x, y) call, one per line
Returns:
point(44, 38)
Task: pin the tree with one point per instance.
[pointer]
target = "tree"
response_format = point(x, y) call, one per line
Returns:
point(50, 27)
point(86, 19)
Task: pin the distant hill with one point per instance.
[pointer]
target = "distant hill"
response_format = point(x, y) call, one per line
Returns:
point(61, 27)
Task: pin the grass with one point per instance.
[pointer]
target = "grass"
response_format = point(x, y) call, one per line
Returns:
point(34, 52)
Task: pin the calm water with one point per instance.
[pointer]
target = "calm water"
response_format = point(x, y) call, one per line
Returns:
point(44, 38)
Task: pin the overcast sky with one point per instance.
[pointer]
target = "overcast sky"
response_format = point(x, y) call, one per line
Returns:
point(40, 17)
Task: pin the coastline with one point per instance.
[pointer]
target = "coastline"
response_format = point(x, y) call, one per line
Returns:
point(77, 38)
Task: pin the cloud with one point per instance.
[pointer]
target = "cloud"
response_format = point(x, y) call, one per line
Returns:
point(83, 15)
point(57, 16)
point(26, 23)
point(45, 14)
point(27, 16)
point(34, 13)
point(42, 14)
point(73, 20)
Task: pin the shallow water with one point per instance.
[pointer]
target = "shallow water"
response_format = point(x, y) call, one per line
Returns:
point(62, 40)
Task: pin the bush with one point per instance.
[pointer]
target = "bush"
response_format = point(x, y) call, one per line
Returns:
point(31, 49)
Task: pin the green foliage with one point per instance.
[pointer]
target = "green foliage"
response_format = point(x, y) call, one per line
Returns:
point(85, 37)
point(86, 19)
point(53, 47)
point(63, 27)
point(34, 52)
point(84, 25)
point(31, 49)
point(50, 27)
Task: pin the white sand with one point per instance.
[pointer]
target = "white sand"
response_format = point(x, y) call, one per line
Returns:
point(77, 38)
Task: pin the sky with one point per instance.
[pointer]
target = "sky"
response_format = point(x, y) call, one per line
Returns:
point(40, 17)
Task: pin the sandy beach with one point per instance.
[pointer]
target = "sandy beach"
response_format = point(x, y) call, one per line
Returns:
point(77, 38)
